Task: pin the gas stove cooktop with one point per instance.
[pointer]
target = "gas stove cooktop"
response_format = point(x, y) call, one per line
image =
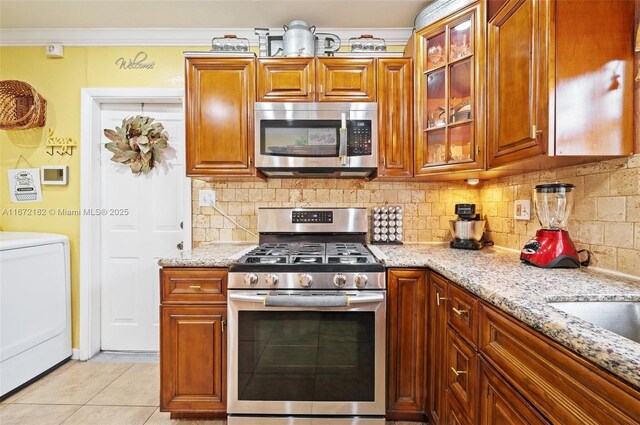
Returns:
point(309, 253)
point(309, 256)
point(319, 248)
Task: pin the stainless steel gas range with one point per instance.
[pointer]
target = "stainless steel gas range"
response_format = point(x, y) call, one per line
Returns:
point(307, 322)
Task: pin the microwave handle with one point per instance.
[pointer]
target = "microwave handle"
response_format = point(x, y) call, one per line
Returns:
point(342, 152)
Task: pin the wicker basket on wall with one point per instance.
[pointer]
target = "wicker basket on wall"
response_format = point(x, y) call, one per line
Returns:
point(21, 106)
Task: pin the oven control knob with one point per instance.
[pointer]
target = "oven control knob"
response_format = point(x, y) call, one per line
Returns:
point(271, 279)
point(361, 280)
point(251, 279)
point(339, 280)
point(305, 279)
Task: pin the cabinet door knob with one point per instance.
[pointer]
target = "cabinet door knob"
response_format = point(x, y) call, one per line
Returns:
point(459, 312)
point(458, 372)
point(222, 325)
point(194, 286)
point(439, 298)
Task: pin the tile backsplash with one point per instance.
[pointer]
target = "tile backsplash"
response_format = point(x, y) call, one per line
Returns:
point(605, 220)
point(427, 206)
point(606, 213)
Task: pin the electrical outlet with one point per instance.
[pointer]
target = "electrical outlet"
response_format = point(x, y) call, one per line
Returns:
point(522, 209)
point(207, 198)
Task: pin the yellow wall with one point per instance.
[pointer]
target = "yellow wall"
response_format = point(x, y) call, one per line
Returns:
point(60, 81)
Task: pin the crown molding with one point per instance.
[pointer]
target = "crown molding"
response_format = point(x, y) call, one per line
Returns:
point(168, 36)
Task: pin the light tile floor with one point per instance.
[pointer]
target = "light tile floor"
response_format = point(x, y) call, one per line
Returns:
point(111, 389)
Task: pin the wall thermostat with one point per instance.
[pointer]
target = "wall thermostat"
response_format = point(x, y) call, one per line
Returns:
point(54, 174)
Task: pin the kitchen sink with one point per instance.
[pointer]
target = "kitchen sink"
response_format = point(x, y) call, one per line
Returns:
point(620, 317)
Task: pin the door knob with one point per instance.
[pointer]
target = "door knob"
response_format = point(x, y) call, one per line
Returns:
point(180, 246)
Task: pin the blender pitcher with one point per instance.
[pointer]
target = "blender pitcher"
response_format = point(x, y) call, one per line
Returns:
point(554, 203)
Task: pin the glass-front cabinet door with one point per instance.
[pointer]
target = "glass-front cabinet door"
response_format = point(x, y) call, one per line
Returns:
point(450, 100)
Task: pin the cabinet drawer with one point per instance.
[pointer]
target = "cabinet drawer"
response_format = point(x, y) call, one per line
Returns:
point(501, 404)
point(193, 286)
point(566, 388)
point(462, 373)
point(455, 415)
point(463, 314)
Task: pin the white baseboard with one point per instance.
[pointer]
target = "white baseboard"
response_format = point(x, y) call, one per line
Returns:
point(75, 354)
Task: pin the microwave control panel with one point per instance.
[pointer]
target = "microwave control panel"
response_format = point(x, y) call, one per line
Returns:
point(359, 138)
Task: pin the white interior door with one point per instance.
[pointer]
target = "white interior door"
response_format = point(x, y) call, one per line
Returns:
point(142, 224)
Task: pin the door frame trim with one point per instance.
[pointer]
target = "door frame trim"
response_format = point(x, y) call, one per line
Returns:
point(90, 285)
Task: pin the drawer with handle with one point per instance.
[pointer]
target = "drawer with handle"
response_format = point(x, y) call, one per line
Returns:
point(462, 374)
point(463, 314)
point(193, 286)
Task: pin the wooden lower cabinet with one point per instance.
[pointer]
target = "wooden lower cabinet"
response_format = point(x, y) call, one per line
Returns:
point(500, 404)
point(438, 288)
point(564, 387)
point(193, 359)
point(193, 342)
point(514, 374)
point(406, 337)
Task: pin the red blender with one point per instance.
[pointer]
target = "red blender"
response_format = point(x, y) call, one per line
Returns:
point(552, 247)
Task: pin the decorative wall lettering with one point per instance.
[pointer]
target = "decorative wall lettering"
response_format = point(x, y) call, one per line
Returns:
point(65, 145)
point(137, 62)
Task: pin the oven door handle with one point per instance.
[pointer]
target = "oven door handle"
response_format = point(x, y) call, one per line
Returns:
point(308, 300)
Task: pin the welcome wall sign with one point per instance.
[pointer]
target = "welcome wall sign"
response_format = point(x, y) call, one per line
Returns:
point(136, 62)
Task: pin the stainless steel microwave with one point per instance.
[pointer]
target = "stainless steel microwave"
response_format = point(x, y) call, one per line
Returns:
point(304, 139)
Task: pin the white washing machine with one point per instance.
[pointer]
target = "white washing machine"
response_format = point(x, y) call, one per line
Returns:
point(35, 305)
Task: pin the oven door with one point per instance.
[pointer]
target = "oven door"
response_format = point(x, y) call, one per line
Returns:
point(313, 356)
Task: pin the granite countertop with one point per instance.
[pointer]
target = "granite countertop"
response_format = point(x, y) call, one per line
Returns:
point(497, 276)
point(216, 254)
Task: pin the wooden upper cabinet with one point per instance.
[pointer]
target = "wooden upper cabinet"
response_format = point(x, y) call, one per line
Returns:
point(346, 79)
point(395, 117)
point(406, 332)
point(220, 93)
point(450, 97)
point(594, 87)
point(550, 90)
point(286, 80)
point(517, 81)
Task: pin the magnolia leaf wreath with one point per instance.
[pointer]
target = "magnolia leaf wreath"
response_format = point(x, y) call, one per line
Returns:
point(137, 143)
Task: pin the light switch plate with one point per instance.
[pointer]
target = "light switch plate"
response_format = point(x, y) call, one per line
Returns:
point(207, 198)
point(522, 209)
